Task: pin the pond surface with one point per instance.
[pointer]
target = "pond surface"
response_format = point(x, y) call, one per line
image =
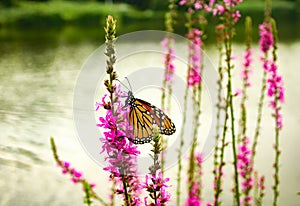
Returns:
point(37, 79)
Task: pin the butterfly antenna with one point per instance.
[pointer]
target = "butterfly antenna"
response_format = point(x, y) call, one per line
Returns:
point(123, 84)
point(129, 84)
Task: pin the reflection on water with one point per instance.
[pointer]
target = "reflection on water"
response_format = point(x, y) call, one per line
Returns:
point(36, 91)
point(36, 86)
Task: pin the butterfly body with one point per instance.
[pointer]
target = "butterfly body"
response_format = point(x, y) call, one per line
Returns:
point(143, 117)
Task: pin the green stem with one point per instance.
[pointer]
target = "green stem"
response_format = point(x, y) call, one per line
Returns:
point(193, 144)
point(125, 189)
point(157, 149)
point(197, 91)
point(233, 134)
point(188, 26)
point(259, 115)
point(179, 169)
point(217, 137)
point(277, 129)
point(243, 115)
point(228, 47)
point(276, 165)
point(261, 193)
point(219, 172)
point(256, 188)
point(87, 189)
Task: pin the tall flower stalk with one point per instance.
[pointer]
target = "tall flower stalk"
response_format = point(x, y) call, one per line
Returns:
point(169, 57)
point(272, 83)
point(121, 153)
point(228, 54)
point(276, 94)
point(245, 164)
point(194, 81)
point(230, 17)
point(245, 75)
point(194, 35)
point(245, 171)
point(77, 178)
point(194, 197)
point(265, 42)
point(155, 183)
point(195, 25)
point(219, 150)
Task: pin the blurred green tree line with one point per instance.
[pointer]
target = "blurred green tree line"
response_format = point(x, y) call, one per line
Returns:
point(139, 4)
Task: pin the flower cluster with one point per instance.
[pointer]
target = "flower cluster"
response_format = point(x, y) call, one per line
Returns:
point(245, 170)
point(194, 196)
point(156, 185)
point(193, 199)
point(169, 58)
point(275, 91)
point(266, 37)
point(225, 7)
point(195, 5)
point(232, 3)
point(121, 153)
point(274, 80)
point(195, 57)
point(76, 176)
point(247, 70)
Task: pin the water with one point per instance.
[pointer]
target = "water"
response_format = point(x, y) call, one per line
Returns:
point(37, 78)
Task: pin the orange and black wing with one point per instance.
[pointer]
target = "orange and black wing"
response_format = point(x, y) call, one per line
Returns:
point(143, 116)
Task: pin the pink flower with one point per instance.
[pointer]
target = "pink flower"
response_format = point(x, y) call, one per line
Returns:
point(77, 174)
point(232, 3)
point(182, 2)
point(195, 57)
point(245, 168)
point(156, 184)
point(198, 5)
point(218, 10)
point(236, 16)
point(65, 164)
point(266, 37)
point(169, 58)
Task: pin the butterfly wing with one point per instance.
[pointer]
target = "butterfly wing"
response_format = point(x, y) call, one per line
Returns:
point(143, 116)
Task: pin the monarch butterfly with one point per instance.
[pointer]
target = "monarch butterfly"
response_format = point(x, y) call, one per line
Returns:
point(143, 116)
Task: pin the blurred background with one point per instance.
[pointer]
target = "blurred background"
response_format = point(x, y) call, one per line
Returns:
point(43, 44)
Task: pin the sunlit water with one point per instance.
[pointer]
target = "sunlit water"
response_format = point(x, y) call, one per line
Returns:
point(36, 89)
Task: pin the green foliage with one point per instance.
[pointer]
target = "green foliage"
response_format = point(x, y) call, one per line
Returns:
point(55, 13)
point(8, 3)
